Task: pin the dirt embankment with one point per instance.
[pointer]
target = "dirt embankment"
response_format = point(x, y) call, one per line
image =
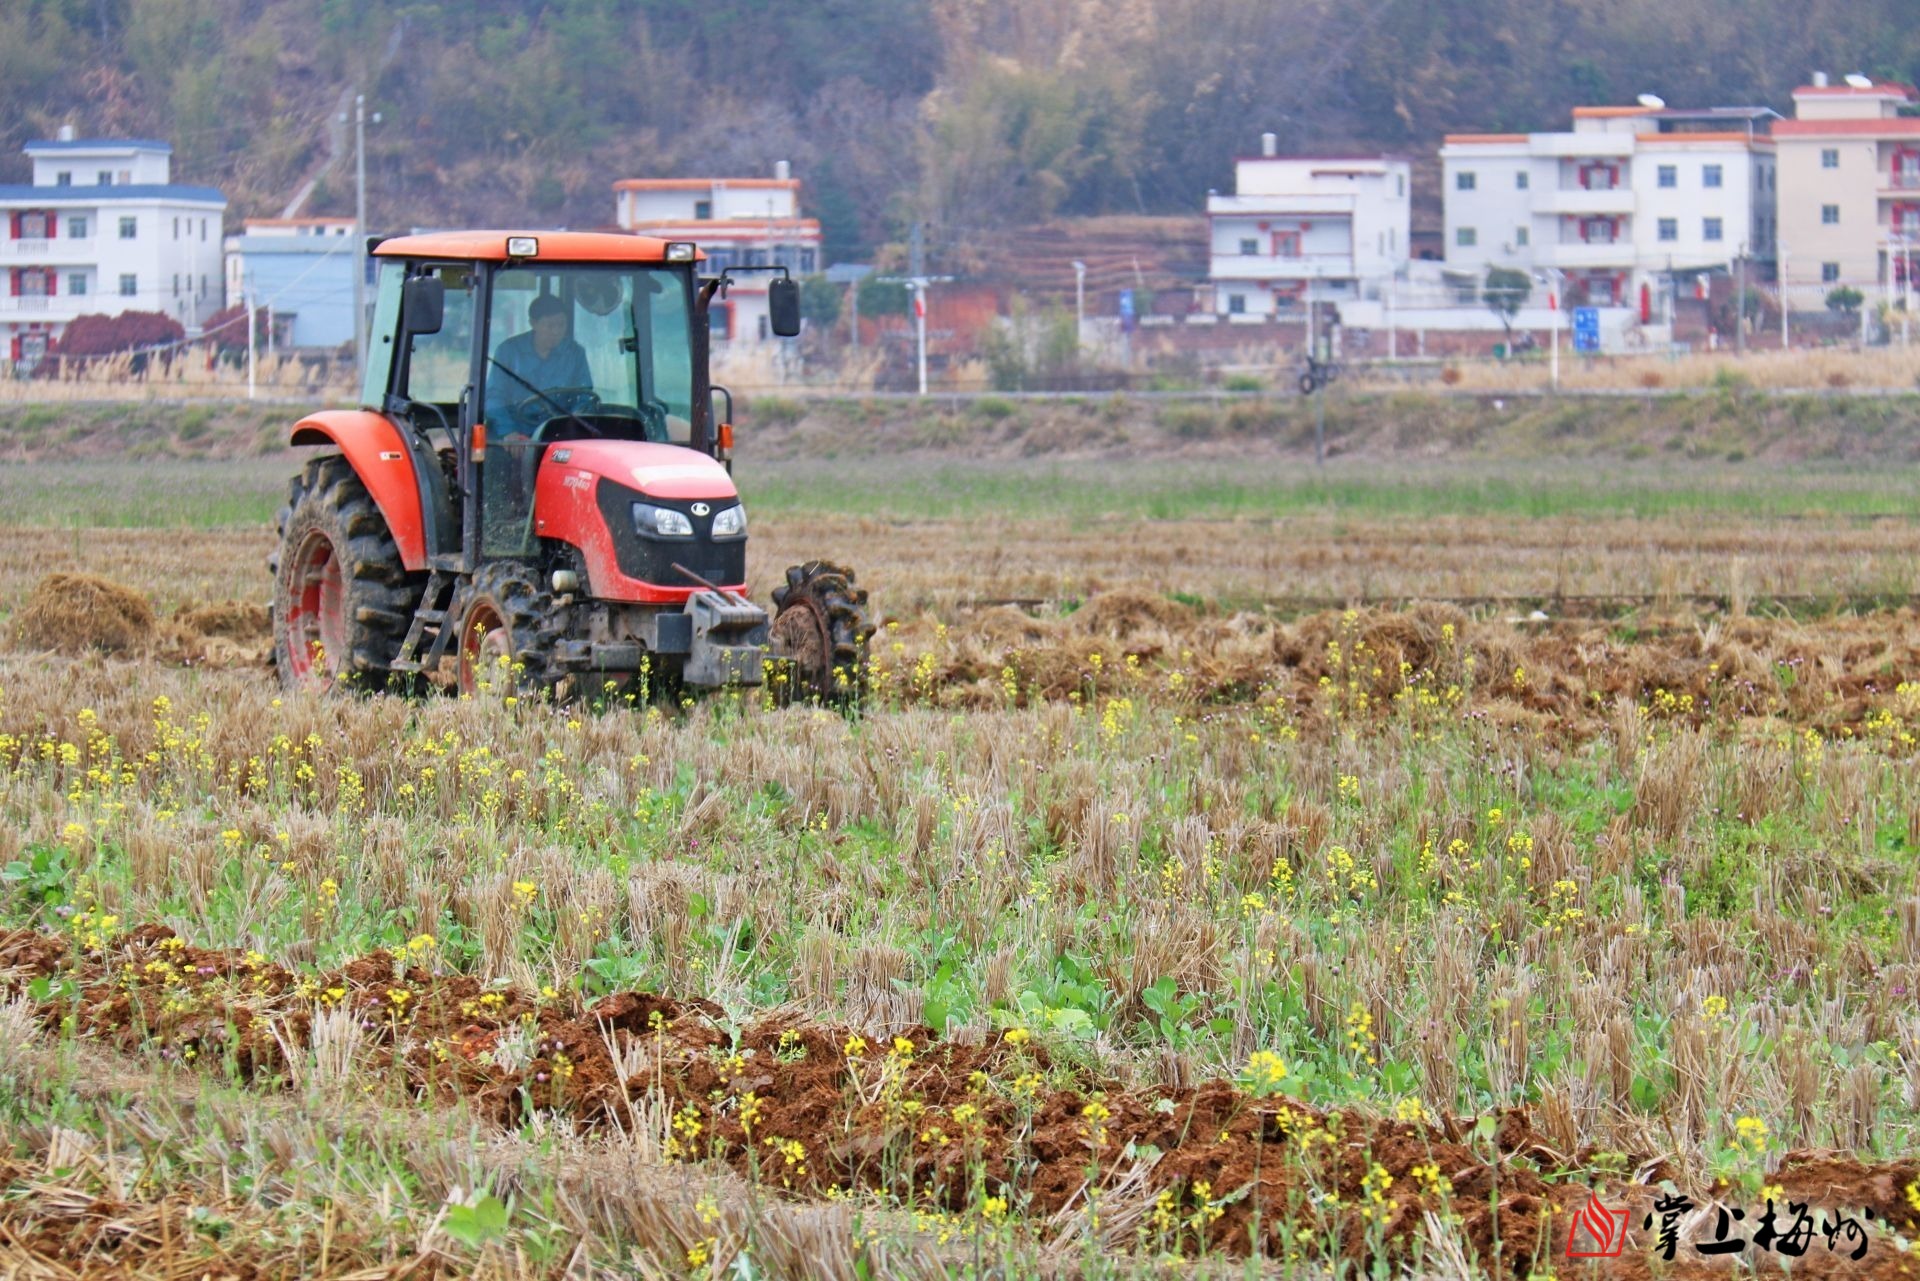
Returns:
point(1723, 426)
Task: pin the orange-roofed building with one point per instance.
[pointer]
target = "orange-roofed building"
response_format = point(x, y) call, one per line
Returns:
point(1627, 205)
point(738, 222)
point(1849, 187)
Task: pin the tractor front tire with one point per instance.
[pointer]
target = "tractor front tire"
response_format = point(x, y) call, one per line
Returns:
point(820, 622)
point(342, 599)
point(508, 631)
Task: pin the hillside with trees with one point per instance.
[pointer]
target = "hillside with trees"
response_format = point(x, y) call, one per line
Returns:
point(969, 115)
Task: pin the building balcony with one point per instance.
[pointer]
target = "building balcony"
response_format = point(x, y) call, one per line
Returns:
point(1616, 253)
point(1271, 267)
point(47, 251)
point(1613, 201)
point(1897, 181)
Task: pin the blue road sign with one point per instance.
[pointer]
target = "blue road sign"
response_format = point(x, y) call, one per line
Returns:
point(1127, 316)
point(1586, 329)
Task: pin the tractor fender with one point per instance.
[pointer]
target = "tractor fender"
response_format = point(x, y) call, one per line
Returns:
point(374, 448)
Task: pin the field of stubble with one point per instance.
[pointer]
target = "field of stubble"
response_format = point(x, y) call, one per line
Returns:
point(1229, 866)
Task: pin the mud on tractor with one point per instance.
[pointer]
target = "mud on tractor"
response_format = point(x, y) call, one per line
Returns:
point(539, 483)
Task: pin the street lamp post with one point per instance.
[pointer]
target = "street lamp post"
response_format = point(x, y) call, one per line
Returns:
point(1558, 279)
point(1786, 326)
point(1740, 302)
point(1079, 304)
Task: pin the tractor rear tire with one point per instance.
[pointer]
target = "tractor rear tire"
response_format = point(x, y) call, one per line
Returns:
point(508, 615)
point(820, 620)
point(342, 599)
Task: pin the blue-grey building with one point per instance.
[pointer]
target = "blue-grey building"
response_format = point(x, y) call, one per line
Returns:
point(300, 269)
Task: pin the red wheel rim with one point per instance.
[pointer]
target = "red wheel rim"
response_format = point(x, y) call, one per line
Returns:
point(318, 639)
point(484, 641)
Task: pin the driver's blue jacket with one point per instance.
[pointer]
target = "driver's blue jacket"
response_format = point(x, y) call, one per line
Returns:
point(564, 366)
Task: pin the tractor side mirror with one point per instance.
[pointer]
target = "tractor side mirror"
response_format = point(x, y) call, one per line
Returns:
point(423, 305)
point(783, 306)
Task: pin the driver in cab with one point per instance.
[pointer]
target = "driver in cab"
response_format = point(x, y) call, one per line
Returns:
point(540, 360)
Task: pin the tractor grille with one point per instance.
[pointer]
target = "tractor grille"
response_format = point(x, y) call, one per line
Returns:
point(651, 559)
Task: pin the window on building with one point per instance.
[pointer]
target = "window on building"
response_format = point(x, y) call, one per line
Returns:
point(77, 282)
point(1522, 237)
point(129, 286)
point(105, 178)
point(64, 178)
point(77, 228)
point(1710, 229)
point(1521, 180)
point(1830, 215)
point(1829, 272)
point(1466, 237)
point(1711, 176)
point(1237, 304)
point(176, 284)
point(203, 231)
point(1465, 180)
point(128, 228)
point(1830, 157)
point(1249, 246)
point(702, 210)
point(1400, 185)
point(203, 286)
point(1669, 175)
point(176, 229)
point(1669, 229)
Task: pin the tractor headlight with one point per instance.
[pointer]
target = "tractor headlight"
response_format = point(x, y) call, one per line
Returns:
point(730, 522)
point(661, 522)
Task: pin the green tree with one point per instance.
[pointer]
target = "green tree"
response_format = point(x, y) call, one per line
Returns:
point(820, 301)
point(1845, 300)
point(1506, 291)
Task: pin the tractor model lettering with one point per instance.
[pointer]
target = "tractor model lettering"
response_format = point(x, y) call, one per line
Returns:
point(537, 487)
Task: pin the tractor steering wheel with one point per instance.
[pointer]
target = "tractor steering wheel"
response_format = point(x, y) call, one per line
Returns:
point(556, 402)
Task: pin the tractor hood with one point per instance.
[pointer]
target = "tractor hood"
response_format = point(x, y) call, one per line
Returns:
point(584, 495)
point(658, 471)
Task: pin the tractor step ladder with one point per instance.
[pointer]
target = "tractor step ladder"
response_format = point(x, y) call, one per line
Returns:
point(439, 603)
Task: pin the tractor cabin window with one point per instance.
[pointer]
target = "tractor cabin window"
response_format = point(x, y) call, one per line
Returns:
point(578, 352)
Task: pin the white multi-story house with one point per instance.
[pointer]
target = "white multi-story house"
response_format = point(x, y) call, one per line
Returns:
point(103, 228)
point(738, 222)
point(1627, 204)
point(1850, 188)
point(1297, 225)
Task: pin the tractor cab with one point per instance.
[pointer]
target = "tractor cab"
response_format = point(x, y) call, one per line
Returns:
point(539, 440)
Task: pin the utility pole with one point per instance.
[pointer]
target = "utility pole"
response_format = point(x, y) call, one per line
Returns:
point(246, 300)
point(916, 268)
point(917, 280)
point(360, 226)
point(1393, 349)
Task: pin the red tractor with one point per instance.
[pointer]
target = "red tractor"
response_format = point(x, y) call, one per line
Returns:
point(538, 486)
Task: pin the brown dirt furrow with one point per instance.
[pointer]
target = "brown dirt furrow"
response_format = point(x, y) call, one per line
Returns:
point(814, 1111)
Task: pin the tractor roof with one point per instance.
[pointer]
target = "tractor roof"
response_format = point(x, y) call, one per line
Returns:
point(555, 246)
